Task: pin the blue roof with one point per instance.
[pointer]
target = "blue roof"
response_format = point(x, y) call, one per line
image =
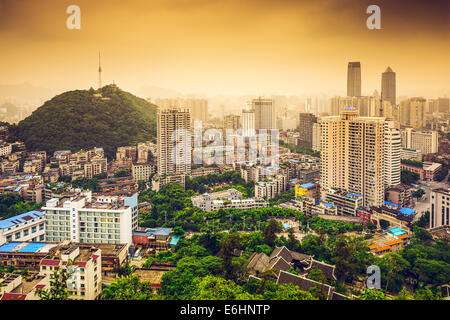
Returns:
point(286, 225)
point(407, 211)
point(19, 219)
point(307, 185)
point(397, 231)
point(390, 204)
point(174, 240)
point(328, 204)
point(8, 247)
point(32, 247)
point(294, 161)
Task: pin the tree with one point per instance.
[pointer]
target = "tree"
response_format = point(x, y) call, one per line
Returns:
point(128, 288)
point(394, 267)
point(121, 173)
point(269, 232)
point(373, 294)
point(231, 243)
point(216, 288)
point(58, 286)
point(317, 275)
point(384, 224)
point(293, 243)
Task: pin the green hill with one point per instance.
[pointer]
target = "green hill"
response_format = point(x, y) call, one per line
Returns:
point(80, 120)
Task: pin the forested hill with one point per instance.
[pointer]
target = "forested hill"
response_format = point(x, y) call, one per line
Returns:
point(81, 119)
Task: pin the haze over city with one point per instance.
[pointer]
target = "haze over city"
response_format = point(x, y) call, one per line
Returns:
point(226, 47)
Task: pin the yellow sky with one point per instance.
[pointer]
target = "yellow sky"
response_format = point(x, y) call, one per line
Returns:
point(226, 47)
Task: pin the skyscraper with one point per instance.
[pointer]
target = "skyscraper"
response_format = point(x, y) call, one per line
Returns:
point(392, 149)
point(265, 117)
point(354, 79)
point(248, 122)
point(174, 141)
point(388, 88)
point(352, 155)
point(305, 127)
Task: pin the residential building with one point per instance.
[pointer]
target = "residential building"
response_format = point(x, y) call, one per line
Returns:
point(88, 219)
point(232, 121)
point(305, 127)
point(346, 203)
point(392, 148)
point(412, 112)
point(352, 155)
point(142, 171)
point(248, 123)
point(29, 226)
point(174, 141)
point(270, 188)
point(425, 141)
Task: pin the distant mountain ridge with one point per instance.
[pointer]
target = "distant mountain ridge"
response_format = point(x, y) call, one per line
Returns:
point(82, 119)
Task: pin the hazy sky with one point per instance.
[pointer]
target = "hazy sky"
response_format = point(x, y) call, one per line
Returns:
point(227, 46)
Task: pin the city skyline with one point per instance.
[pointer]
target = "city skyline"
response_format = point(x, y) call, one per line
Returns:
point(227, 48)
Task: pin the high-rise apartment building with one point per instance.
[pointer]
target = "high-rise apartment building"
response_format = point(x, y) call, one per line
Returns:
point(305, 127)
point(354, 79)
point(392, 152)
point(316, 137)
point(388, 89)
point(412, 112)
point(443, 105)
point(248, 122)
point(265, 117)
point(352, 155)
point(174, 141)
point(425, 141)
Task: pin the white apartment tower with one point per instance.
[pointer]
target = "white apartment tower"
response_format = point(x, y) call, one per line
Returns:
point(392, 151)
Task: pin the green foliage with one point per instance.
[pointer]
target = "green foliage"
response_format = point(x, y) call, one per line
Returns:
point(282, 197)
point(373, 294)
point(77, 120)
point(299, 149)
point(418, 193)
point(414, 163)
point(128, 288)
point(269, 232)
point(58, 286)
point(409, 177)
point(121, 173)
point(12, 204)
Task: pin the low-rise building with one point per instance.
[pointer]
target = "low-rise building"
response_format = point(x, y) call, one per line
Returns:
point(270, 188)
point(142, 171)
point(29, 226)
point(439, 208)
point(346, 203)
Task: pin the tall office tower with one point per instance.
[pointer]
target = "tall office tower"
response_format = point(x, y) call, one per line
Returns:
point(174, 141)
point(425, 141)
point(352, 155)
point(265, 117)
point(354, 79)
point(440, 208)
point(248, 122)
point(305, 126)
point(412, 112)
point(443, 105)
point(392, 149)
point(388, 89)
point(232, 121)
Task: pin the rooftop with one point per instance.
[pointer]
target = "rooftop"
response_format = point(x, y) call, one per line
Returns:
point(21, 218)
